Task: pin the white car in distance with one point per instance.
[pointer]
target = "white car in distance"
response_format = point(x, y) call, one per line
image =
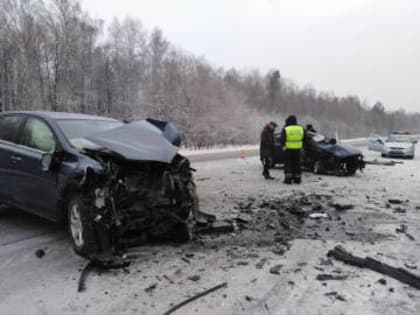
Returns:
point(397, 145)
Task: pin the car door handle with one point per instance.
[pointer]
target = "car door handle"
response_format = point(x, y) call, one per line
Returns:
point(16, 158)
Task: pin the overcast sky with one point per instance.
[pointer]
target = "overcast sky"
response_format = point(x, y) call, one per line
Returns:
point(370, 48)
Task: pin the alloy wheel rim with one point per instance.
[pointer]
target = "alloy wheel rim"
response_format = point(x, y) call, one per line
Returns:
point(76, 225)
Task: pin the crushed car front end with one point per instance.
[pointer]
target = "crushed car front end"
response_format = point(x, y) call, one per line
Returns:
point(333, 158)
point(131, 203)
point(142, 191)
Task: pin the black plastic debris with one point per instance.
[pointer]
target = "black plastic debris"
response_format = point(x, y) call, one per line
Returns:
point(99, 265)
point(382, 281)
point(151, 288)
point(194, 278)
point(326, 277)
point(400, 274)
point(217, 227)
point(40, 253)
point(395, 201)
point(261, 263)
point(342, 207)
point(276, 269)
point(195, 297)
point(248, 298)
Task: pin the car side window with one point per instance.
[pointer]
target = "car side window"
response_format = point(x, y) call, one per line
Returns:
point(9, 127)
point(38, 135)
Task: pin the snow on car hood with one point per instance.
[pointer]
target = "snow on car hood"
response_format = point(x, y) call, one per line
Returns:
point(404, 145)
point(140, 141)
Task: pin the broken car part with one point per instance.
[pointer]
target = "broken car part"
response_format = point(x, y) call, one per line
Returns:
point(400, 274)
point(195, 297)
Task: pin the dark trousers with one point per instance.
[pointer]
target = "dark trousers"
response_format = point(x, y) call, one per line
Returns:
point(266, 161)
point(293, 166)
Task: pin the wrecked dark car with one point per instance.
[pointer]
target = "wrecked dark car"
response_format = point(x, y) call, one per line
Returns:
point(324, 156)
point(115, 184)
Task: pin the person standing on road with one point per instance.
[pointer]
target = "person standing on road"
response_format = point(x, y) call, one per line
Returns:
point(310, 128)
point(267, 148)
point(292, 139)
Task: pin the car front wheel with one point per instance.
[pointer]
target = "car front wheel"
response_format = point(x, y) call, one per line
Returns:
point(81, 227)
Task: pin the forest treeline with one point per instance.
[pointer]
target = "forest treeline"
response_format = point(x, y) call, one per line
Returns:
point(54, 56)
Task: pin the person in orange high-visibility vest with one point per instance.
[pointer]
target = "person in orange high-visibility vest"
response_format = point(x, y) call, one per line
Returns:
point(292, 139)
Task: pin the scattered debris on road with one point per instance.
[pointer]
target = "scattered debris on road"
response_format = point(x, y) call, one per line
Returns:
point(216, 227)
point(395, 201)
point(383, 163)
point(336, 296)
point(382, 281)
point(151, 288)
point(40, 253)
point(261, 263)
point(400, 274)
point(195, 297)
point(403, 229)
point(101, 265)
point(341, 207)
point(276, 269)
point(318, 215)
point(327, 277)
point(194, 278)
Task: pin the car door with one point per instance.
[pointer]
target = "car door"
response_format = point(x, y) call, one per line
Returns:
point(9, 129)
point(376, 144)
point(37, 188)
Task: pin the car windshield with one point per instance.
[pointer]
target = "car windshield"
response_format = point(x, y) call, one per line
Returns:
point(399, 138)
point(80, 128)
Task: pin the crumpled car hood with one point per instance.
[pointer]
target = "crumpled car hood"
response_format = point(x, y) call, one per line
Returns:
point(140, 141)
point(341, 150)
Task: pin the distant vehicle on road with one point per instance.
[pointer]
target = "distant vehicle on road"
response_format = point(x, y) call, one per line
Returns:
point(397, 145)
point(324, 156)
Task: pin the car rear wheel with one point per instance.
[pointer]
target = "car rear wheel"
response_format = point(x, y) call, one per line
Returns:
point(81, 227)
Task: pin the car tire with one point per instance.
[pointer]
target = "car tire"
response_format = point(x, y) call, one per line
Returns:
point(318, 167)
point(383, 155)
point(81, 227)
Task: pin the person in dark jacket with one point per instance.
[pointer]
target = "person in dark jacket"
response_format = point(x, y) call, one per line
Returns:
point(267, 147)
point(292, 139)
point(310, 128)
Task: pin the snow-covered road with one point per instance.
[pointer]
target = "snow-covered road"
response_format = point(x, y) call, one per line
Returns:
point(48, 285)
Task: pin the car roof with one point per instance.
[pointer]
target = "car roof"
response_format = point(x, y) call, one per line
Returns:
point(62, 115)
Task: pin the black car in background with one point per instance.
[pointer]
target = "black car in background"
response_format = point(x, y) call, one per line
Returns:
point(113, 183)
point(324, 156)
